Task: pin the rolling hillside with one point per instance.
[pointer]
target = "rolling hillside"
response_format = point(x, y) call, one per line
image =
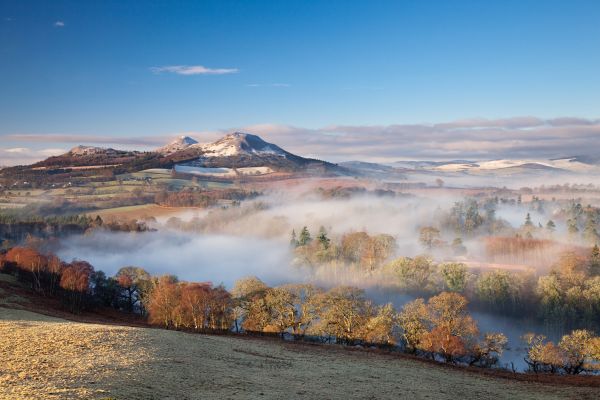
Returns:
point(49, 358)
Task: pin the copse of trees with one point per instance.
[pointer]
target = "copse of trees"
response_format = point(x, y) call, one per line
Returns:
point(48, 275)
point(193, 306)
point(77, 283)
point(354, 249)
point(575, 353)
point(474, 216)
point(136, 285)
point(19, 228)
point(570, 294)
point(443, 327)
point(567, 296)
point(201, 198)
point(465, 219)
point(503, 291)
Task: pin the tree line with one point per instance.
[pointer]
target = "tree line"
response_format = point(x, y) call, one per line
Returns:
point(200, 197)
point(439, 328)
point(18, 228)
point(569, 295)
point(356, 249)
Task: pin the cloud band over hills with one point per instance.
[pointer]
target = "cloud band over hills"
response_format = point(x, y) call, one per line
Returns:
point(520, 137)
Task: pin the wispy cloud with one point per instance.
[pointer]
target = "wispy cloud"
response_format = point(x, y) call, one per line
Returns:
point(59, 24)
point(476, 139)
point(193, 70)
point(511, 138)
point(83, 139)
point(25, 155)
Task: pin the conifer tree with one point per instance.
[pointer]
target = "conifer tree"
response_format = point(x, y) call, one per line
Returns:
point(304, 237)
point(323, 239)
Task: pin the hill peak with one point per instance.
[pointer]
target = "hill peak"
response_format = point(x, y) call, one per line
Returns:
point(181, 143)
point(241, 143)
point(87, 150)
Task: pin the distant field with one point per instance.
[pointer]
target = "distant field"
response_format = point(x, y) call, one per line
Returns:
point(102, 194)
point(49, 358)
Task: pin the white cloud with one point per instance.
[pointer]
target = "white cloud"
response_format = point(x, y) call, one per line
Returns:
point(193, 70)
point(59, 24)
point(145, 141)
point(17, 150)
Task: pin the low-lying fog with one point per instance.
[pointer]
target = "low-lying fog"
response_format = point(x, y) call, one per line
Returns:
point(191, 257)
point(275, 216)
point(224, 245)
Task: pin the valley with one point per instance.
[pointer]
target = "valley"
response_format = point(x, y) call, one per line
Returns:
point(321, 199)
point(377, 238)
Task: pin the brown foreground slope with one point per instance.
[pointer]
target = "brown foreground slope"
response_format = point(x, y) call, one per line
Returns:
point(50, 358)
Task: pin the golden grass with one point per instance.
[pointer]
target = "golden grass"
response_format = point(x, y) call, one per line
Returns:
point(48, 358)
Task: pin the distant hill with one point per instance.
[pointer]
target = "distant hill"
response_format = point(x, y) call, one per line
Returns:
point(233, 152)
point(502, 166)
point(244, 150)
point(592, 160)
point(373, 170)
point(181, 143)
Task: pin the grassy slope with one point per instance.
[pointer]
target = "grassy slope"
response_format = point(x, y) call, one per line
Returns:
point(46, 357)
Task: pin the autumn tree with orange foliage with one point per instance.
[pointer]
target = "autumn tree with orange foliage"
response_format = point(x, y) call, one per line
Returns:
point(443, 327)
point(30, 262)
point(75, 281)
point(575, 353)
point(192, 306)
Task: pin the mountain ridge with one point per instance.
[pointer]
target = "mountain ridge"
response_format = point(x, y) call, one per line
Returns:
point(232, 151)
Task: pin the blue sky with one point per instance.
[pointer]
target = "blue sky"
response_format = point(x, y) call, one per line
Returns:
point(108, 69)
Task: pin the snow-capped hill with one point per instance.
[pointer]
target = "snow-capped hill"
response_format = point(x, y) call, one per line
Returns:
point(504, 166)
point(243, 150)
point(581, 163)
point(239, 143)
point(181, 143)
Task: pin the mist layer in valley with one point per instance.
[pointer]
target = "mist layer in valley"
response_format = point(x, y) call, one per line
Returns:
point(223, 245)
